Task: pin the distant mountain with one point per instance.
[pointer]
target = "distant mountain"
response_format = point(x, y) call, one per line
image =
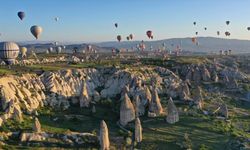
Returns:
point(206, 44)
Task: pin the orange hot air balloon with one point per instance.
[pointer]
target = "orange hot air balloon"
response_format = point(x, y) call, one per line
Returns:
point(119, 38)
point(149, 34)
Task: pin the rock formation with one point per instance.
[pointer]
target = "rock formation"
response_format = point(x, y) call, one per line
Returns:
point(84, 98)
point(37, 126)
point(127, 111)
point(138, 130)
point(198, 98)
point(173, 115)
point(104, 136)
point(155, 104)
point(224, 110)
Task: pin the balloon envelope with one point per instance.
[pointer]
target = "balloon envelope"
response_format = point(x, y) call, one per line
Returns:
point(149, 34)
point(8, 52)
point(21, 15)
point(36, 31)
point(119, 38)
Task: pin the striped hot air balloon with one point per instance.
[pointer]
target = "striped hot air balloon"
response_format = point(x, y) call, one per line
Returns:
point(9, 52)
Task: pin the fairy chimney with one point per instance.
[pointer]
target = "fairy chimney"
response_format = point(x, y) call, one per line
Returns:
point(84, 96)
point(173, 115)
point(198, 98)
point(155, 104)
point(127, 111)
point(37, 126)
point(104, 136)
point(138, 130)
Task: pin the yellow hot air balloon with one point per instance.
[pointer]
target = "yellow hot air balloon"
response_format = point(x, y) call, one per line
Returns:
point(23, 51)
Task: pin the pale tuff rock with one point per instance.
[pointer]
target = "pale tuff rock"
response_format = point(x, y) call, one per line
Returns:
point(84, 96)
point(37, 126)
point(190, 75)
point(104, 136)
point(173, 115)
point(127, 111)
point(205, 74)
point(224, 110)
point(96, 96)
point(139, 107)
point(184, 92)
point(214, 76)
point(116, 83)
point(155, 104)
point(33, 137)
point(233, 73)
point(197, 75)
point(138, 130)
point(198, 98)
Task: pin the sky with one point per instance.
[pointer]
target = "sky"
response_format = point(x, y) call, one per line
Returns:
point(93, 20)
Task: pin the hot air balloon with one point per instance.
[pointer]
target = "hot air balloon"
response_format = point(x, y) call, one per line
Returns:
point(227, 33)
point(205, 28)
point(194, 40)
point(56, 19)
point(75, 49)
point(227, 22)
point(116, 25)
point(119, 38)
point(58, 50)
point(50, 49)
point(89, 48)
point(218, 33)
point(55, 43)
point(149, 34)
point(196, 33)
point(131, 36)
point(194, 23)
point(128, 38)
point(21, 15)
point(9, 52)
point(36, 31)
point(248, 28)
point(23, 51)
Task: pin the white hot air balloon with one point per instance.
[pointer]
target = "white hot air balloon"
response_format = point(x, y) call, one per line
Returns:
point(36, 31)
point(9, 52)
point(58, 50)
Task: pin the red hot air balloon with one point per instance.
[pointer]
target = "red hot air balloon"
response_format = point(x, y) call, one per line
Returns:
point(119, 38)
point(149, 34)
